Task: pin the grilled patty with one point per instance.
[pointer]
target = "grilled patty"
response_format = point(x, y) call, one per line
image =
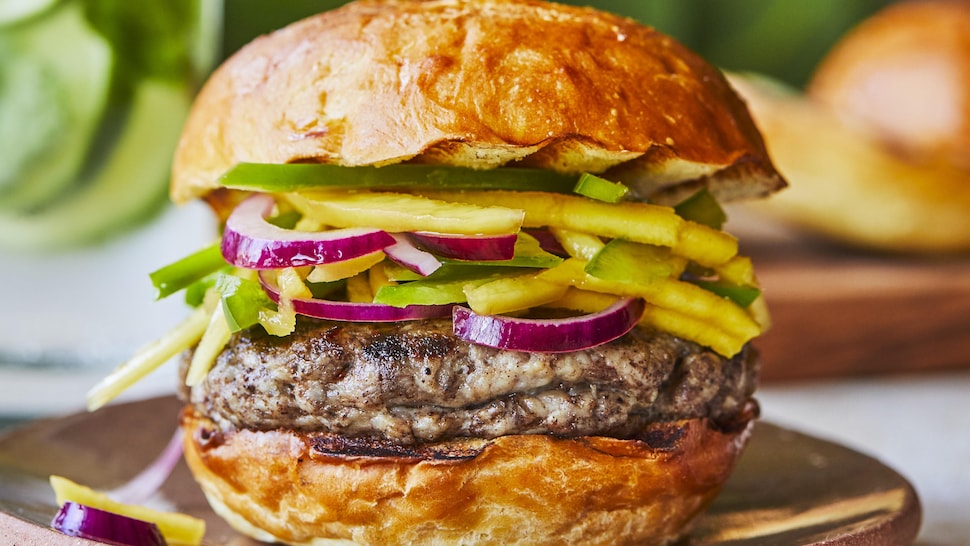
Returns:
point(415, 382)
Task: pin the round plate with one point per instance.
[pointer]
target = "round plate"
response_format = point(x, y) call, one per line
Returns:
point(788, 488)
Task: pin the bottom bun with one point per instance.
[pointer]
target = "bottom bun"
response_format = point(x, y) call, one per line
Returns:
point(523, 489)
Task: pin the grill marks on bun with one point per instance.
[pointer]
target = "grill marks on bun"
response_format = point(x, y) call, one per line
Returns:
point(526, 489)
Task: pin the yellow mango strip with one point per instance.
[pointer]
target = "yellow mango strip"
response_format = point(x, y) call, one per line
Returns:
point(694, 301)
point(758, 310)
point(280, 322)
point(377, 278)
point(577, 244)
point(694, 329)
point(181, 529)
point(738, 270)
point(639, 222)
point(358, 288)
point(214, 339)
point(150, 357)
point(344, 269)
point(675, 295)
point(307, 223)
point(283, 321)
point(705, 245)
point(291, 284)
point(506, 295)
point(398, 212)
point(678, 324)
point(582, 300)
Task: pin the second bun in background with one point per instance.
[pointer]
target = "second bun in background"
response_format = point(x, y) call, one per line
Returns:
point(878, 148)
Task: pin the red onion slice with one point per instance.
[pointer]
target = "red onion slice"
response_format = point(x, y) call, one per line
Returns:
point(405, 254)
point(548, 335)
point(356, 312)
point(251, 242)
point(78, 520)
point(467, 247)
point(140, 488)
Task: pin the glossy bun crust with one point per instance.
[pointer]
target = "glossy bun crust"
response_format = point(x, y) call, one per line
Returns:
point(478, 83)
point(526, 489)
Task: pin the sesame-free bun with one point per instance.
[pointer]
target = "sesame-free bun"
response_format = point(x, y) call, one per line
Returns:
point(482, 84)
point(877, 149)
point(521, 489)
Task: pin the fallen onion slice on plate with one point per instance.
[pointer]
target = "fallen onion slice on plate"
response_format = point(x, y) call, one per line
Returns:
point(467, 247)
point(147, 482)
point(548, 335)
point(355, 312)
point(251, 242)
point(78, 520)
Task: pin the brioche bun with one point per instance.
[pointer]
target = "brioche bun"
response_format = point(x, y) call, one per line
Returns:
point(878, 148)
point(482, 84)
point(519, 489)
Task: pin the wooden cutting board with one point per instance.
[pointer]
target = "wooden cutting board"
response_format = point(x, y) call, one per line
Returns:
point(838, 311)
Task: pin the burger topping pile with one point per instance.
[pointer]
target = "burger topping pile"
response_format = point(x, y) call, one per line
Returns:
point(521, 259)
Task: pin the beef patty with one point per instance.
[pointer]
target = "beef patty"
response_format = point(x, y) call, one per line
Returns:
point(415, 382)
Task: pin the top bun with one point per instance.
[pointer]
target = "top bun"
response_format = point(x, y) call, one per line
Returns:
point(903, 76)
point(482, 84)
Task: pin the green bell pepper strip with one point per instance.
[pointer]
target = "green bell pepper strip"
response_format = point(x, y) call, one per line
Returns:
point(622, 260)
point(187, 271)
point(443, 286)
point(741, 295)
point(242, 300)
point(277, 178)
point(195, 292)
point(703, 208)
point(601, 189)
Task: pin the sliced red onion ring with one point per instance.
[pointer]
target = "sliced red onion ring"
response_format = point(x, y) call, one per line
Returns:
point(405, 254)
point(250, 241)
point(548, 335)
point(467, 247)
point(78, 520)
point(356, 312)
point(140, 488)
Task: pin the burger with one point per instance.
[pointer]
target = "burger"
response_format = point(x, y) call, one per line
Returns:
point(472, 284)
